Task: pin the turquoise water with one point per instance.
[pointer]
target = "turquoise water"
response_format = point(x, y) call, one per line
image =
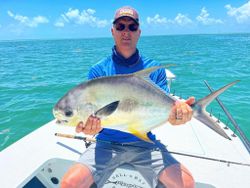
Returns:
point(34, 74)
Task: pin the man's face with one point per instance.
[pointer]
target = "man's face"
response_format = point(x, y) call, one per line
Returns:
point(126, 34)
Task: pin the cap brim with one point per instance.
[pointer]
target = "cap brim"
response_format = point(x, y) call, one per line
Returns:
point(135, 20)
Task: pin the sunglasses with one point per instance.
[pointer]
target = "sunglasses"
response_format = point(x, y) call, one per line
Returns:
point(132, 27)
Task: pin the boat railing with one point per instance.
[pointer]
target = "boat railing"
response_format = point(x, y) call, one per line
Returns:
point(237, 128)
point(170, 77)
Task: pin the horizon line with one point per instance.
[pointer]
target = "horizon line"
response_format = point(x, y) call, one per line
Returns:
point(106, 37)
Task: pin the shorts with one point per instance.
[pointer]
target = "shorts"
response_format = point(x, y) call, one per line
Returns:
point(149, 159)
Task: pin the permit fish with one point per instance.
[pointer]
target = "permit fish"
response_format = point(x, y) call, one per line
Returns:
point(130, 102)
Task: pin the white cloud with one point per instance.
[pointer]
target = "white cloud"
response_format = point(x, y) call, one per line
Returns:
point(40, 19)
point(157, 19)
point(30, 22)
point(182, 19)
point(81, 18)
point(241, 14)
point(64, 18)
point(71, 14)
point(205, 19)
point(10, 14)
point(59, 23)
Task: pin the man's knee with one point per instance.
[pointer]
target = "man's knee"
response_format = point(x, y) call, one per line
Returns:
point(68, 183)
point(188, 180)
point(177, 176)
point(77, 176)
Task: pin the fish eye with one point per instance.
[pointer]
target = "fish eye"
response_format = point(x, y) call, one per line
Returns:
point(68, 113)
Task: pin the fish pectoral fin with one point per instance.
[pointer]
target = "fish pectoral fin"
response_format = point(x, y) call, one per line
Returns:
point(139, 134)
point(107, 110)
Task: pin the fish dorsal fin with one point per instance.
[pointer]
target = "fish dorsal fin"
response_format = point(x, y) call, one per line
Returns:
point(106, 110)
point(146, 72)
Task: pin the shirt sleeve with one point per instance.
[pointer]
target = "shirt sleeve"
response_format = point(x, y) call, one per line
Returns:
point(159, 78)
point(95, 72)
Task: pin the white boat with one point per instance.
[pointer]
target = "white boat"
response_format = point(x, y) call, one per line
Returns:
point(40, 159)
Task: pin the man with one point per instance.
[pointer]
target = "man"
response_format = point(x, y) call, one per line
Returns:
point(98, 161)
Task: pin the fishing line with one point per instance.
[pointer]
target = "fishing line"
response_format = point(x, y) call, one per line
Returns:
point(89, 140)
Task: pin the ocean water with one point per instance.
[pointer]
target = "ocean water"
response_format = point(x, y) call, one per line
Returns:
point(34, 74)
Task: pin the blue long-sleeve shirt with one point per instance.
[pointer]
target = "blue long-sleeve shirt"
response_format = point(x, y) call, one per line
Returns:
point(117, 64)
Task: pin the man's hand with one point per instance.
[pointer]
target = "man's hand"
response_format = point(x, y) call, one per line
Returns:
point(91, 127)
point(181, 112)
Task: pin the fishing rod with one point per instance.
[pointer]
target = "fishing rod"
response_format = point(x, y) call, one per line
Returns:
point(85, 139)
point(230, 117)
point(89, 140)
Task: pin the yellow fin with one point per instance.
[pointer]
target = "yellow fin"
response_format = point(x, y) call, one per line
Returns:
point(141, 135)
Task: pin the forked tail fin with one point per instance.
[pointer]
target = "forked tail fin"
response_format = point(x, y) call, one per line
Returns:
point(201, 114)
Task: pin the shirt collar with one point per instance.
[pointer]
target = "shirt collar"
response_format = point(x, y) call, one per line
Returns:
point(118, 58)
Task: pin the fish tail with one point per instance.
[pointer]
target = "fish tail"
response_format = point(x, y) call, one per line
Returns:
point(200, 113)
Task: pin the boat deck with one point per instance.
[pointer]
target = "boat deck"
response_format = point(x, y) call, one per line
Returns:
point(206, 154)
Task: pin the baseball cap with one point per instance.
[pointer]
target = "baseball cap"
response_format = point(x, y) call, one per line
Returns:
point(126, 11)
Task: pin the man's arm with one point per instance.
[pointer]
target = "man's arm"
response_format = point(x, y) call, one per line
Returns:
point(181, 111)
point(160, 79)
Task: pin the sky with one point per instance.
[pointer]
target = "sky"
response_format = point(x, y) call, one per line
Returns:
point(58, 19)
